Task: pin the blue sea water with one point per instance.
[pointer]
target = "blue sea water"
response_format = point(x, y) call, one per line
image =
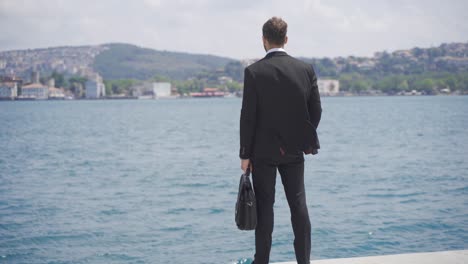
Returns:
point(156, 181)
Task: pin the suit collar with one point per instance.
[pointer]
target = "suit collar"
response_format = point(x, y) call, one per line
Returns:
point(275, 49)
point(276, 53)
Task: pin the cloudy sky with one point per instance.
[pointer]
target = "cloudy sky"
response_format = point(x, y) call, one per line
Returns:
point(232, 28)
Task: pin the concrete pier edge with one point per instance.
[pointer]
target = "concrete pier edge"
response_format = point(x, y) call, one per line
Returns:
point(439, 257)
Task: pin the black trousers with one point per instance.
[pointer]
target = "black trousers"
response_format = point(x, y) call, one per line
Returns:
point(291, 169)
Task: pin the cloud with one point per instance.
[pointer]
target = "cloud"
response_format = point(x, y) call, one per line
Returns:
point(233, 28)
point(153, 3)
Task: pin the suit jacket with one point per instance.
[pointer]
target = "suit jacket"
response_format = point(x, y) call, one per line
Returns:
point(281, 108)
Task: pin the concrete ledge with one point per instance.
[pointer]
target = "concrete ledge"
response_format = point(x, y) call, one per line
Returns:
point(441, 257)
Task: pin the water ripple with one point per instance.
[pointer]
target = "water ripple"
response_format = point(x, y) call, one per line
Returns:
point(156, 181)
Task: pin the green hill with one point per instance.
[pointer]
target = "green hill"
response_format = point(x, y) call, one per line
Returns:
point(125, 61)
point(428, 70)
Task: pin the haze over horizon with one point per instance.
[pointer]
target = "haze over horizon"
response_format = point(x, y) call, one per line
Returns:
point(233, 29)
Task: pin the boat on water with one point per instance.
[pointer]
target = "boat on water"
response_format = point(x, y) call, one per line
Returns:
point(204, 94)
point(209, 92)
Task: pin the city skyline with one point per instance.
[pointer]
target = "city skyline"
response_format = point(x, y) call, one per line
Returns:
point(223, 28)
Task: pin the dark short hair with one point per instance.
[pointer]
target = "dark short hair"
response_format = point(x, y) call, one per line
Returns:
point(274, 30)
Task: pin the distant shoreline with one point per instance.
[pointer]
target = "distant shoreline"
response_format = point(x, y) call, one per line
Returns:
point(219, 98)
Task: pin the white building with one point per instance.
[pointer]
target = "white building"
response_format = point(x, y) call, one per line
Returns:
point(8, 90)
point(328, 87)
point(162, 89)
point(56, 93)
point(35, 91)
point(95, 88)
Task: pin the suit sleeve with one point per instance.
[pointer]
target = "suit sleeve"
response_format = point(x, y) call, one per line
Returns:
point(315, 107)
point(248, 116)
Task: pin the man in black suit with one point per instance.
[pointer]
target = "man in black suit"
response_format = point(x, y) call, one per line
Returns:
point(280, 113)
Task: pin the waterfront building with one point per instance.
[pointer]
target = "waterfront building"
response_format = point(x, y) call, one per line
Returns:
point(8, 90)
point(328, 86)
point(95, 88)
point(34, 91)
point(162, 89)
point(56, 93)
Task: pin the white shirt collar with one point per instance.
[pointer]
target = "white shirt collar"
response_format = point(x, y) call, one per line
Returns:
point(275, 50)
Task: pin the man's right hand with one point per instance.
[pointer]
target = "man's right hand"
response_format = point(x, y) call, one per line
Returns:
point(245, 163)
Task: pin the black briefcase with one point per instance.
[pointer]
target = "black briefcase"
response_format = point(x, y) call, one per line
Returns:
point(246, 206)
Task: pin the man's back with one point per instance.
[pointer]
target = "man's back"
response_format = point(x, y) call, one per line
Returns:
point(286, 94)
point(280, 113)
